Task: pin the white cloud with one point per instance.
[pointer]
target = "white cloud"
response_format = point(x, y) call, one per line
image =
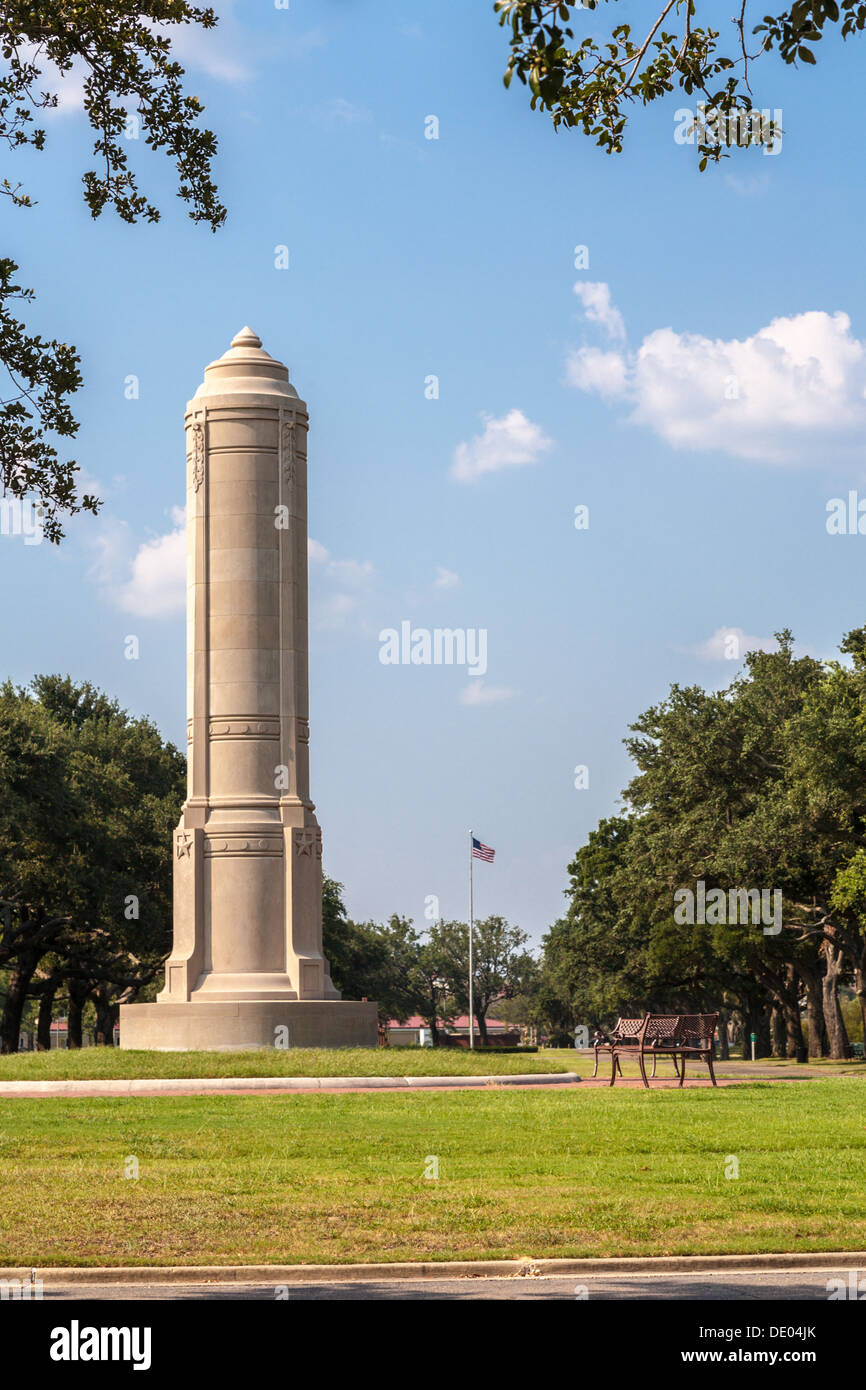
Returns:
point(157, 584)
point(591, 370)
point(211, 51)
point(334, 610)
point(512, 441)
point(215, 52)
point(477, 693)
point(338, 112)
point(113, 544)
point(147, 579)
point(68, 86)
point(732, 644)
point(337, 586)
point(750, 186)
point(351, 572)
point(445, 579)
point(594, 295)
point(795, 386)
point(303, 45)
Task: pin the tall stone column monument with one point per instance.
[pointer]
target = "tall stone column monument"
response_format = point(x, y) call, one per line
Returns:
point(247, 968)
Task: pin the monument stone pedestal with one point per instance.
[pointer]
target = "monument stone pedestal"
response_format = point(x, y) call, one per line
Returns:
point(247, 968)
point(248, 1025)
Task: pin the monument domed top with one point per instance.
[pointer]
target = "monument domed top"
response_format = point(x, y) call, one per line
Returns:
point(246, 367)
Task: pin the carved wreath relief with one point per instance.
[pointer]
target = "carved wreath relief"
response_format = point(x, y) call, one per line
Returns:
point(287, 451)
point(197, 455)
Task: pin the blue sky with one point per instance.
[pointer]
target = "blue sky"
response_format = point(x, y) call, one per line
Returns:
point(412, 257)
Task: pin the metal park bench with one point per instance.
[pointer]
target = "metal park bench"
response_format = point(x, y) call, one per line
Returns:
point(625, 1032)
point(678, 1036)
point(627, 1035)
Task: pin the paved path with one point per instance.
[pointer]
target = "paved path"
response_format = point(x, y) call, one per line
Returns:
point(269, 1085)
point(725, 1286)
point(78, 1090)
point(728, 1074)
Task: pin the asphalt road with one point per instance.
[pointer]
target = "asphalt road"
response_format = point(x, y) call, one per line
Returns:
point(727, 1286)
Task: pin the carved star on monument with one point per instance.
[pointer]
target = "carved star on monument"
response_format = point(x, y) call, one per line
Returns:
point(184, 843)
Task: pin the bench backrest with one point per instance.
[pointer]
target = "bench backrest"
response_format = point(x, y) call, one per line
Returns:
point(662, 1026)
point(698, 1028)
point(691, 1029)
point(627, 1028)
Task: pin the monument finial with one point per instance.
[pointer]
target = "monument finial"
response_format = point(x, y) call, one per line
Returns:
point(246, 338)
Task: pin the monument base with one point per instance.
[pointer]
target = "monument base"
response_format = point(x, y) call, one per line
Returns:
point(234, 1026)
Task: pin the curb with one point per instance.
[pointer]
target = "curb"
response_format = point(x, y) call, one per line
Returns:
point(9, 1090)
point(444, 1269)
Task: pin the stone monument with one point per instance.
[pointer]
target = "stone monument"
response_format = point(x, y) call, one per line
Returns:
point(247, 969)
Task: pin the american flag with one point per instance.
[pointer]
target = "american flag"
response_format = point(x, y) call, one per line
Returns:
point(484, 852)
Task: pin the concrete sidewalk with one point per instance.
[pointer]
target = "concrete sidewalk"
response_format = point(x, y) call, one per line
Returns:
point(728, 1286)
point(265, 1085)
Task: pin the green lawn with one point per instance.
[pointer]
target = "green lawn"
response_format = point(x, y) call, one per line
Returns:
point(324, 1178)
point(110, 1063)
point(764, 1067)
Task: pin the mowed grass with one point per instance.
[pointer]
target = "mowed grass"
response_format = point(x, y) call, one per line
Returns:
point(328, 1178)
point(112, 1063)
point(582, 1063)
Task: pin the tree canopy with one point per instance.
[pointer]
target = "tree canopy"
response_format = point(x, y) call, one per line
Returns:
point(122, 52)
point(756, 789)
point(591, 84)
point(89, 796)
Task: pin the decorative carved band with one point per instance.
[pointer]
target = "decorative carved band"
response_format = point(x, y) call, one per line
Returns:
point(240, 726)
point(303, 730)
point(308, 841)
point(243, 844)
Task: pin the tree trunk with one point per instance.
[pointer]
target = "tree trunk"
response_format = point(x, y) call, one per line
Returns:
point(434, 1031)
point(16, 997)
point(860, 990)
point(43, 1025)
point(814, 1011)
point(77, 1000)
point(756, 1020)
point(833, 1020)
point(791, 1008)
point(778, 1032)
point(793, 1033)
point(482, 1028)
point(107, 1015)
point(741, 1031)
point(724, 1050)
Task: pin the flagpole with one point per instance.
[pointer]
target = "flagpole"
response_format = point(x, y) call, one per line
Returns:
point(471, 993)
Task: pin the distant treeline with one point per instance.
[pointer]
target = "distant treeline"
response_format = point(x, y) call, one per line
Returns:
point(734, 880)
